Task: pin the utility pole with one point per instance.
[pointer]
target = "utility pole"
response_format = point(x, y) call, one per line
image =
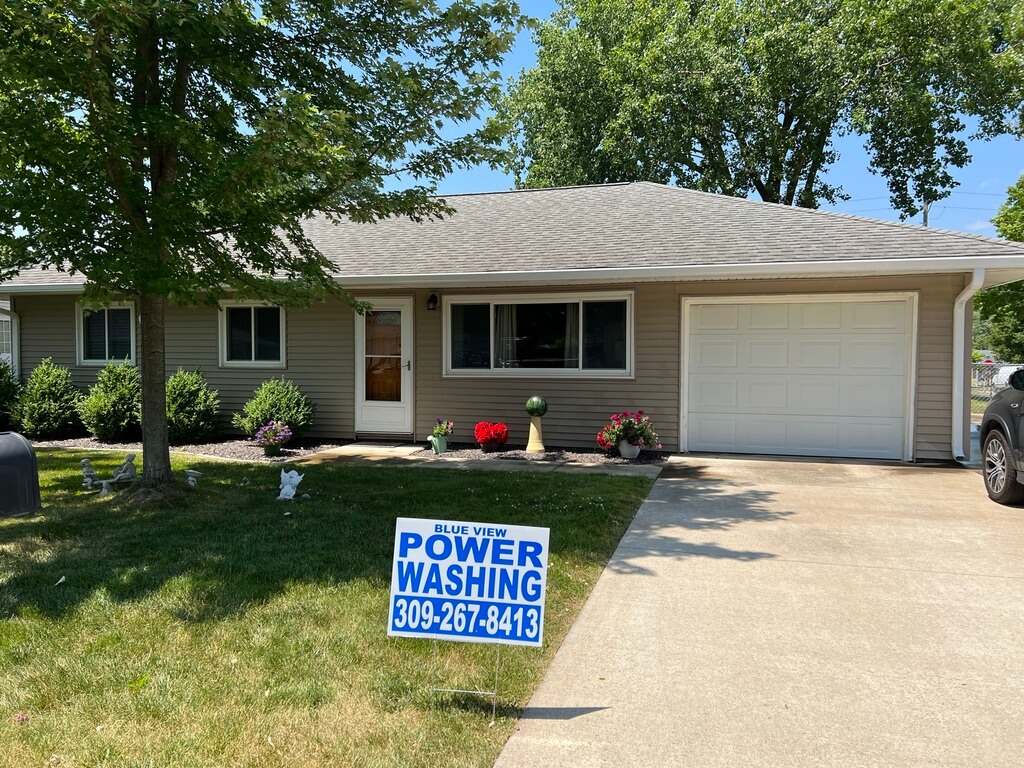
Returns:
point(924, 211)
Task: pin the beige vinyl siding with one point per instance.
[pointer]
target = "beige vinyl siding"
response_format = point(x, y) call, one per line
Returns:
point(319, 353)
point(320, 358)
point(48, 330)
point(579, 407)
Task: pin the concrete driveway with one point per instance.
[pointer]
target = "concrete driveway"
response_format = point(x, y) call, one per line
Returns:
point(791, 613)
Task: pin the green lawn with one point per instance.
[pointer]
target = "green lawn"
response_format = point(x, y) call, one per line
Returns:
point(216, 631)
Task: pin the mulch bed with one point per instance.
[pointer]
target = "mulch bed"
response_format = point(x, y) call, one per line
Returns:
point(465, 451)
point(238, 449)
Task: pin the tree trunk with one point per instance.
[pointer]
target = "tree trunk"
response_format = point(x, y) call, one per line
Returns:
point(156, 452)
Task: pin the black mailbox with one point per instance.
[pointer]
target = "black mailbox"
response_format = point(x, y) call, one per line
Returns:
point(19, 476)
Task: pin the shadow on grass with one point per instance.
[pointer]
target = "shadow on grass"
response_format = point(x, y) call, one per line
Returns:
point(215, 551)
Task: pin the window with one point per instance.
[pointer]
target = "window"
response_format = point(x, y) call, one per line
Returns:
point(252, 335)
point(550, 335)
point(6, 347)
point(106, 334)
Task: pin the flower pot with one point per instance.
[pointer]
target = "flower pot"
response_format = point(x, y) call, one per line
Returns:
point(628, 450)
point(490, 446)
point(439, 443)
point(272, 450)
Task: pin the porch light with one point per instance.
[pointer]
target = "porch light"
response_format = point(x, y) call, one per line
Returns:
point(432, 302)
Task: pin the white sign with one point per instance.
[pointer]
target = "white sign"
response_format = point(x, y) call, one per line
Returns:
point(473, 582)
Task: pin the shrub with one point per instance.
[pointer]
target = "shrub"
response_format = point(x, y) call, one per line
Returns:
point(276, 400)
point(10, 391)
point(193, 409)
point(112, 409)
point(48, 406)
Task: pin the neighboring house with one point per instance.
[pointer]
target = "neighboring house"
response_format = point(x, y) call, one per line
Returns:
point(739, 326)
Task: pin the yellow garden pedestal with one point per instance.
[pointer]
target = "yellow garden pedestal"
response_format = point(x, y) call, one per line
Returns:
point(536, 406)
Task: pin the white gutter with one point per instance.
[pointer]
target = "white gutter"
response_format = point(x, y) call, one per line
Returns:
point(960, 359)
point(15, 339)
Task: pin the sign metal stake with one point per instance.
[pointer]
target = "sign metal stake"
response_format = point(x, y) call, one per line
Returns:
point(492, 693)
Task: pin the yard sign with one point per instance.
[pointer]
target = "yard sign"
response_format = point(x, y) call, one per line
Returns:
point(472, 582)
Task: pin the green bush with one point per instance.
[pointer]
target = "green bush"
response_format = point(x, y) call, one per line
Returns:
point(193, 409)
point(48, 406)
point(112, 409)
point(276, 400)
point(10, 391)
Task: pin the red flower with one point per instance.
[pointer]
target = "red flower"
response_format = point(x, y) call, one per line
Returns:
point(488, 432)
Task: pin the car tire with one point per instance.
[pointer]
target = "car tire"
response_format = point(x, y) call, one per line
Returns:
point(999, 471)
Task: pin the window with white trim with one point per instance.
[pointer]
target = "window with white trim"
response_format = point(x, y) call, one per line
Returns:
point(252, 335)
point(6, 346)
point(544, 334)
point(106, 334)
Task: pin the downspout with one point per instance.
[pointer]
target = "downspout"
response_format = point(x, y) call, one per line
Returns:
point(960, 360)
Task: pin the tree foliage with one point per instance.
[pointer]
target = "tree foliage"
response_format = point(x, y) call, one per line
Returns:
point(1001, 309)
point(747, 97)
point(169, 150)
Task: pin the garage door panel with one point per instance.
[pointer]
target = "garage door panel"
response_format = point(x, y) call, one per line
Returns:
point(818, 317)
point(769, 316)
point(802, 378)
point(797, 395)
point(717, 353)
point(767, 354)
point(878, 316)
point(858, 438)
point(819, 354)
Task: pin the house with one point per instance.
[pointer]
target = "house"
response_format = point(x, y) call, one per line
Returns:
point(739, 326)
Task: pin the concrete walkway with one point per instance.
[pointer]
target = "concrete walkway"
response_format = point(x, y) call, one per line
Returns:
point(791, 613)
point(411, 455)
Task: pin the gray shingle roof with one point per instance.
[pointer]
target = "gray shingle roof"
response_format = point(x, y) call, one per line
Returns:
point(616, 226)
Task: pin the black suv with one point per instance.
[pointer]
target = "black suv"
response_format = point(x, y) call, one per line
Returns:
point(1002, 443)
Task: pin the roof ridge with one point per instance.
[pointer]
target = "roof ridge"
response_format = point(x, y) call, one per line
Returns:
point(534, 189)
point(902, 225)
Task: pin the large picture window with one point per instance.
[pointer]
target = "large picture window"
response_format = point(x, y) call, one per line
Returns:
point(106, 334)
point(547, 335)
point(252, 335)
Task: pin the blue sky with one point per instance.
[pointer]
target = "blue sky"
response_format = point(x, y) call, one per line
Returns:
point(996, 165)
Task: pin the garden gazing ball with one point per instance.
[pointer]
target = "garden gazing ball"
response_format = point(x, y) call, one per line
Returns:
point(536, 406)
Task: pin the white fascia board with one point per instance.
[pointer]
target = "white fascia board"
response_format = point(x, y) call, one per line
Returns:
point(48, 288)
point(694, 272)
point(831, 268)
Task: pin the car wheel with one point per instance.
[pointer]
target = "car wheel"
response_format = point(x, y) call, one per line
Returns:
point(1000, 473)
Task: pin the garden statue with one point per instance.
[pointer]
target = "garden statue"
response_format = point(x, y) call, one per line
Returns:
point(536, 406)
point(289, 484)
point(193, 477)
point(89, 477)
point(127, 471)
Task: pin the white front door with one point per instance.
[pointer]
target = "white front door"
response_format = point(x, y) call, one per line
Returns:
point(384, 349)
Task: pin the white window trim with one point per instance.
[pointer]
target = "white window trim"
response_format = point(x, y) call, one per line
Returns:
point(222, 341)
point(535, 373)
point(80, 310)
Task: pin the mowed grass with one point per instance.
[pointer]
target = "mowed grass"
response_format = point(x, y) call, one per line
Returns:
point(214, 630)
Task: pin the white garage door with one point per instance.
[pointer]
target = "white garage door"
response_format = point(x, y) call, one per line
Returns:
point(804, 377)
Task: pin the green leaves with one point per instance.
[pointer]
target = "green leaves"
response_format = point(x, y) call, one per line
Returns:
point(747, 97)
point(1001, 309)
point(175, 147)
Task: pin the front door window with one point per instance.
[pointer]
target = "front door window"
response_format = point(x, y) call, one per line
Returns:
point(383, 364)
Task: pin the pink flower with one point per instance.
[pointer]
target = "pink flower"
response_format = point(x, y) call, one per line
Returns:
point(20, 717)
